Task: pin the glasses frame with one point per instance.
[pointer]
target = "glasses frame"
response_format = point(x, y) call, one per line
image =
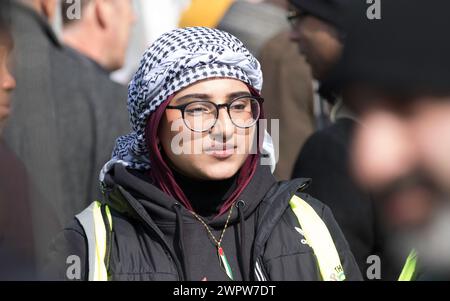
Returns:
point(294, 16)
point(182, 108)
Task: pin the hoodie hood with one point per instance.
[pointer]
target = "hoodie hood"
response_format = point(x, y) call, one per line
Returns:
point(131, 193)
point(160, 206)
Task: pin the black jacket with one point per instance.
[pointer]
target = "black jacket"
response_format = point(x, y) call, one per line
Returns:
point(157, 239)
point(325, 158)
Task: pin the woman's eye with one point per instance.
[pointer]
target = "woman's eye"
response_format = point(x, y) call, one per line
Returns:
point(197, 110)
point(239, 106)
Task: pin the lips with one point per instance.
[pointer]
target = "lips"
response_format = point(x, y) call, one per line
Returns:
point(221, 152)
point(5, 110)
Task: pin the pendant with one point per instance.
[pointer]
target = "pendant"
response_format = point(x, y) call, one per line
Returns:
point(224, 262)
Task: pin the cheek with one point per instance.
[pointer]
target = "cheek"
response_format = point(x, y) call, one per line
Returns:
point(327, 46)
point(432, 133)
point(382, 150)
point(245, 140)
point(169, 129)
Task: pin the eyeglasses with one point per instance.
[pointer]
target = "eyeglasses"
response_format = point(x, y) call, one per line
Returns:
point(201, 115)
point(294, 17)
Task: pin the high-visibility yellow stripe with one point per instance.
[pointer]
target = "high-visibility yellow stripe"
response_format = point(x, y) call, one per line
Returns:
point(409, 269)
point(100, 273)
point(318, 237)
point(91, 219)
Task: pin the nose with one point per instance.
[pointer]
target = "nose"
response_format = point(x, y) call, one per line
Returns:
point(8, 82)
point(224, 128)
point(383, 150)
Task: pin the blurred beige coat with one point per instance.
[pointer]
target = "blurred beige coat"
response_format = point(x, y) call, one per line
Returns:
point(289, 97)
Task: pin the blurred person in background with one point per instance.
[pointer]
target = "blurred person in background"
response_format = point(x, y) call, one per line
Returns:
point(100, 38)
point(16, 239)
point(153, 18)
point(267, 19)
point(289, 87)
point(395, 74)
point(318, 31)
point(232, 16)
point(290, 91)
point(61, 117)
point(7, 81)
point(103, 31)
point(33, 128)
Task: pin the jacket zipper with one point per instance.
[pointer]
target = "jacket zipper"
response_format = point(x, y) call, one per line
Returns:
point(153, 228)
point(259, 271)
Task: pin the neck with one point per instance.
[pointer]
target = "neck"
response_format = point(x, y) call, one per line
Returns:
point(38, 7)
point(206, 197)
point(88, 44)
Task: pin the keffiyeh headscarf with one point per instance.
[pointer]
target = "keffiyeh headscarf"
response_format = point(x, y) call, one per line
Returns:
point(176, 60)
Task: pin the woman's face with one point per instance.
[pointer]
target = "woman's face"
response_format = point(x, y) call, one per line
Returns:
point(215, 154)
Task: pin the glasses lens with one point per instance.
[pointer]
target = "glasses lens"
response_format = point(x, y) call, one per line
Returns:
point(200, 116)
point(244, 112)
point(292, 17)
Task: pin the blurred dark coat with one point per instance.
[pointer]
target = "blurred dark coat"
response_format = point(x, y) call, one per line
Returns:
point(325, 158)
point(66, 116)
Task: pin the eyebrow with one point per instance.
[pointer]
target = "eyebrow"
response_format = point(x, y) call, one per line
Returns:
point(200, 96)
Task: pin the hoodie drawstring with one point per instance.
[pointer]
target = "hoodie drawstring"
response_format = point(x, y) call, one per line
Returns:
point(243, 260)
point(183, 258)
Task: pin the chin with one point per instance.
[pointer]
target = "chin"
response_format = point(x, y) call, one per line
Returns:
point(220, 171)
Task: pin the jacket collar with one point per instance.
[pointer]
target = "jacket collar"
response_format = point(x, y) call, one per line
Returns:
point(139, 187)
point(42, 23)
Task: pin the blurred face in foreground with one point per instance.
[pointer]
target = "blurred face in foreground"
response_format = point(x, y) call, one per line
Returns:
point(402, 153)
point(201, 146)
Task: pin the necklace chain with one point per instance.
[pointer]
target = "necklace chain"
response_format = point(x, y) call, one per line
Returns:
point(219, 242)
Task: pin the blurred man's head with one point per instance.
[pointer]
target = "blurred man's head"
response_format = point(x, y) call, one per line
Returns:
point(316, 27)
point(103, 31)
point(395, 74)
point(7, 82)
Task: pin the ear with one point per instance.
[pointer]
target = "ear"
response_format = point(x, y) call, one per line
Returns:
point(102, 14)
point(48, 8)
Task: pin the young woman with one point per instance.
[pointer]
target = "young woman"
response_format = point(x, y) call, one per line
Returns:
point(186, 196)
